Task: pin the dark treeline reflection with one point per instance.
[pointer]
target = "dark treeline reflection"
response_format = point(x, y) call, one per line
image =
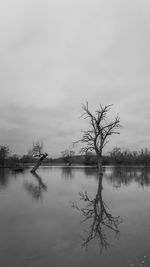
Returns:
point(91, 171)
point(119, 176)
point(36, 190)
point(116, 175)
point(100, 220)
point(4, 178)
point(67, 172)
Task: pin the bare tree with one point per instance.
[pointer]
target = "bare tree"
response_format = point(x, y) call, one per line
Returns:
point(37, 151)
point(67, 156)
point(101, 219)
point(100, 130)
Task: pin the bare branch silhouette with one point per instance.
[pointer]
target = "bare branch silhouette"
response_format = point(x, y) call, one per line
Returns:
point(100, 130)
point(101, 219)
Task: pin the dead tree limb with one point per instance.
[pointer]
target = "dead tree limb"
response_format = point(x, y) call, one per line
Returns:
point(36, 151)
point(38, 163)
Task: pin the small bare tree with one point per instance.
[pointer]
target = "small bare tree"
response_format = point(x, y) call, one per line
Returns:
point(37, 151)
point(67, 156)
point(100, 130)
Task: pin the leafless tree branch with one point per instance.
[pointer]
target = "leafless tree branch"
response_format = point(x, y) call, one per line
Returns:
point(96, 138)
point(101, 219)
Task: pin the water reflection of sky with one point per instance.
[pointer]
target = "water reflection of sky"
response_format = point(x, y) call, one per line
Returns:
point(39, 227)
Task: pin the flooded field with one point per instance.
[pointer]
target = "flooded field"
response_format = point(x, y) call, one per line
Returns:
point(61, 216)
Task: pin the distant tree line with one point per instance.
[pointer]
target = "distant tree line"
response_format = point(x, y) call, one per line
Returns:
point(7, 159)
point(68, 157)
point(115, 157)
point(121, 157)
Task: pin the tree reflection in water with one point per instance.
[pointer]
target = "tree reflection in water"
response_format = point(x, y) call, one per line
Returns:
point(67, 172)
point(4, 178)
point(125, 175)
point(36, 190)
point(101, 219)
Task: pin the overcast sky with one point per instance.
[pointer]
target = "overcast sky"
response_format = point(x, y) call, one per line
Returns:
point(56, 54)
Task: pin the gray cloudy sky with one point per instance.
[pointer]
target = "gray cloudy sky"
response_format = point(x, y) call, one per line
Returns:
point(55, 54)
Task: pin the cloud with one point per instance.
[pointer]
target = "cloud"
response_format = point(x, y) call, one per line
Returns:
point(57, 54)
point(55, 127)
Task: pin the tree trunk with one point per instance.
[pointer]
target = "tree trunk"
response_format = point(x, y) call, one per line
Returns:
point(38, 163)
point(100, 187)
point(99, 163)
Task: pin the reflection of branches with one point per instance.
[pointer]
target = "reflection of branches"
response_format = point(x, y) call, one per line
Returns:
point(124, 175)
point(90, 171)
point(144, 179)
point(67, 172)
point(97, 211)
point(119, 176)
point(36, 190)
point(4, 177)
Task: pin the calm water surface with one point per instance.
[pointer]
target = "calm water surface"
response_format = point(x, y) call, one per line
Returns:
point(60, 217)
